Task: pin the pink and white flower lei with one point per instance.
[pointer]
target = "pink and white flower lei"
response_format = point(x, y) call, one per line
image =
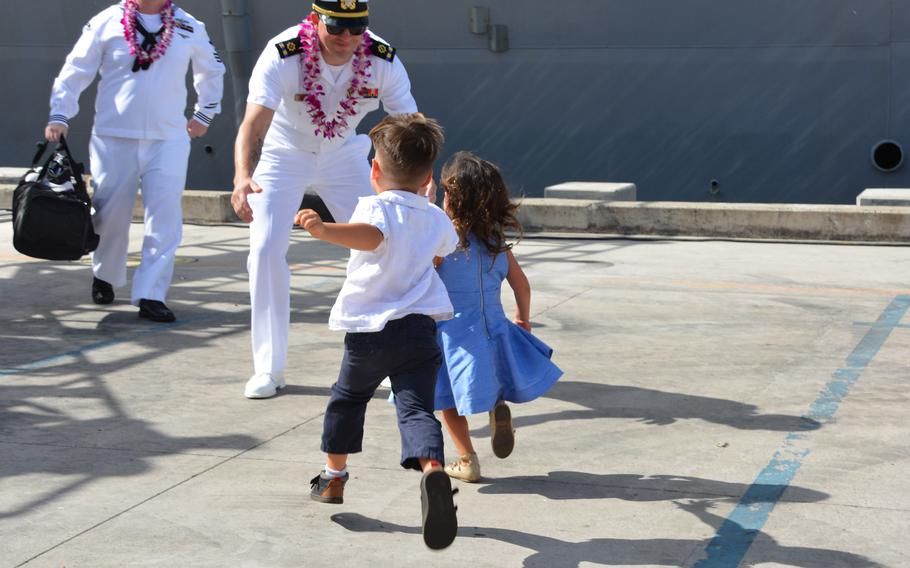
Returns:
point(130, 9)
point(313, 91)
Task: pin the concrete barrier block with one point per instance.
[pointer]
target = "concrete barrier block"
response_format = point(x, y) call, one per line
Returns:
point(555, 215)
point(199, 206)
point(899, 197)
point(673, 218)
point(722, 220)
point(11, 176)
point(602, 191)
point(213, 206)
point(6, 195)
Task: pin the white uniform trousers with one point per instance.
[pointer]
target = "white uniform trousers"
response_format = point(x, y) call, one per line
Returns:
point(340, 176)
point(119, 167)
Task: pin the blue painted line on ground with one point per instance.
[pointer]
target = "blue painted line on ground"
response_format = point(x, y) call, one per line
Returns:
point(76, 353)
point(738, 531)
point(868, 323)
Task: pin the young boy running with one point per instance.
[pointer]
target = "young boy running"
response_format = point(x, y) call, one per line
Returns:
point(388, 306)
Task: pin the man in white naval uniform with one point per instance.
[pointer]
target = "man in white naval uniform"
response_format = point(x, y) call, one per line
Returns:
point(299, 132)
point(140, 134)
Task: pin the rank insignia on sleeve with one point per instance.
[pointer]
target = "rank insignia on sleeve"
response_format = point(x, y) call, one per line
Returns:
point(382, 50)
point(215, 52)
point(183, 24)
point(289, 47)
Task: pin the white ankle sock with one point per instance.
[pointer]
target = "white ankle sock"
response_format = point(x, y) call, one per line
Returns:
point(335, 472)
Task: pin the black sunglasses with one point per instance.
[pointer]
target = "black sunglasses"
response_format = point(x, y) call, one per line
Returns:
point(338, 30)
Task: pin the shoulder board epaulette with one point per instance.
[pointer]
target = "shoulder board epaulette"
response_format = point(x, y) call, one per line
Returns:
point(289, 47)
point(382, 50)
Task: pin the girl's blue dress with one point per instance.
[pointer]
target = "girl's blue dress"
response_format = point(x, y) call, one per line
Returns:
point(486, 356)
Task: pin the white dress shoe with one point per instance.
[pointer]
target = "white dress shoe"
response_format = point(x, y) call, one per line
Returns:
point(264, 385)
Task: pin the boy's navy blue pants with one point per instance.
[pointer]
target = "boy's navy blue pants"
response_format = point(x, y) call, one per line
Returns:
point(405, 351)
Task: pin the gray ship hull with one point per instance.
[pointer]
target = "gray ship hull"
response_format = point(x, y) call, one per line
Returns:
point(695, 100)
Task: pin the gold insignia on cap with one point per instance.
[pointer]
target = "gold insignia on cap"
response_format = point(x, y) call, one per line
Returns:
point(348, 4)
point(326, 12)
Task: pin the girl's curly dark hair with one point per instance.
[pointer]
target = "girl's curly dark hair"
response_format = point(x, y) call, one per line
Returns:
point(477, 199)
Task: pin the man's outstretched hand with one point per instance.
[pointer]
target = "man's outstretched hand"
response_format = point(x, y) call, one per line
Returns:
point(239, 201)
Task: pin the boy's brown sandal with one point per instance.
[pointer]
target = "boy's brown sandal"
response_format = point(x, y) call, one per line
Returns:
point(327, 489)
point(439, 521)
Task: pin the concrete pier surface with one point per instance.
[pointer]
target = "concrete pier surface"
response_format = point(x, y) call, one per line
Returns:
point(724, 404)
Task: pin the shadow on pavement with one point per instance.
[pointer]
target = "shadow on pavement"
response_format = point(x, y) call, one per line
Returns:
point(62, 414)
point(653, 407)
point(56, 429)
point(563, 485)
point(552, 552)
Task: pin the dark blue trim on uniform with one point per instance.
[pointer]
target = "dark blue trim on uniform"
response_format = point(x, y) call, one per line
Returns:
point(202, 118)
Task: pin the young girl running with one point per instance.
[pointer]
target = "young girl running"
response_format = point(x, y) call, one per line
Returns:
point(487, 358)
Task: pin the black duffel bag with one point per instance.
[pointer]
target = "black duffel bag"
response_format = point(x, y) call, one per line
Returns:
point(52, 211)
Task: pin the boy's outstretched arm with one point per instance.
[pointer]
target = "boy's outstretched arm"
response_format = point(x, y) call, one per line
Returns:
point(521, 287)
point(358, 236)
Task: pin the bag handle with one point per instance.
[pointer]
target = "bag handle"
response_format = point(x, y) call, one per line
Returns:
point(61, 145)
point(47, 162)
point(42, 148)
point(74, 166)
point(77, 168)
point(66, 149)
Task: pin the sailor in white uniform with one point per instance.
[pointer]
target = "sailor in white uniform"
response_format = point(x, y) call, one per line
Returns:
point(309, 90)
point(142, 50)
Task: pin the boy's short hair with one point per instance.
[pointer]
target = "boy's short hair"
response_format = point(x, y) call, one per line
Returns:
point(408, 144)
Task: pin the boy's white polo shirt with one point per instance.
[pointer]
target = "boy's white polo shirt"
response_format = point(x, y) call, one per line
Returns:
point(398, 278)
